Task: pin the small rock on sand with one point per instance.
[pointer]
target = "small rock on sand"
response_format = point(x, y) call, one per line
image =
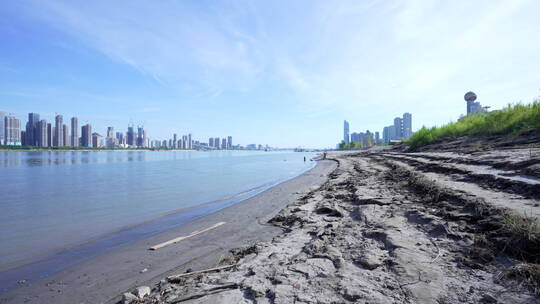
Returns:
point(369, 261)
point(128, 298)
point(142, 291)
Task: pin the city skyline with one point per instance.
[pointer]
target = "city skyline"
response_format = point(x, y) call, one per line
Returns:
point(253, 70)
point(41, 133)
point(402, 128)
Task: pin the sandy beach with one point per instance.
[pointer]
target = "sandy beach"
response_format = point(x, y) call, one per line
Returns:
point(390, 227)
point(103, 278)
point(376, 226)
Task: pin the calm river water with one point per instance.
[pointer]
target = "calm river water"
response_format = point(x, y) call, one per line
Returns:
point(52, 202)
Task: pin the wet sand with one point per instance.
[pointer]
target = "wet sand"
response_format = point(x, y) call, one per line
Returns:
point(103, 278)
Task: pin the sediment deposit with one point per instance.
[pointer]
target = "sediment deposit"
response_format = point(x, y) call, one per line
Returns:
point(392, 227)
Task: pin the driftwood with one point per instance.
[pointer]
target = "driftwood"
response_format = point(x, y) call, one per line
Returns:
point(178, 239)
point(187, 274)
point(207, 292)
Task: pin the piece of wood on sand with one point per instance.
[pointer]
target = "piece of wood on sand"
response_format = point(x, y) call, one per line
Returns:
point(187, 274)
point(178, 239)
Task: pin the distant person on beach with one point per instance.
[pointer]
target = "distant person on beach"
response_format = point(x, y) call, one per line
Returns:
point(304, 158)
point(324, 155)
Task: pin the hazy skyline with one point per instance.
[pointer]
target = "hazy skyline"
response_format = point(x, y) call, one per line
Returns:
point(283, 74)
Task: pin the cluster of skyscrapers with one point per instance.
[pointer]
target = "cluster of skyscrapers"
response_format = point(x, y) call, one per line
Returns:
point(186, 142)
point(41, 133)
point(225, 143)
point(361, 139)
point(401, 129)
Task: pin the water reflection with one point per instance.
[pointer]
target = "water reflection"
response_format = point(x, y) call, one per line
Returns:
point(58, 199)
point(58, 158)
point(7, 159)
point(46, 158)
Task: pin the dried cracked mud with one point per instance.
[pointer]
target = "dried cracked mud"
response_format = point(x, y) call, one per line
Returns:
point(392, 227)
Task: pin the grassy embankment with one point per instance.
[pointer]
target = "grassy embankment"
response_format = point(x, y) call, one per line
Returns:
point(513, 119)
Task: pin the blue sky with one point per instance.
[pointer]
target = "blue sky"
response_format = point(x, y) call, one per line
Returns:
point(283, 73)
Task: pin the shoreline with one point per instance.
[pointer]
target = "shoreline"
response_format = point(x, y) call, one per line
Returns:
point(115, 263)
point(388, 227)
point(98, 245)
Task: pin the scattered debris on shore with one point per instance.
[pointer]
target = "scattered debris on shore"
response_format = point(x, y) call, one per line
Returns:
point(391, 227)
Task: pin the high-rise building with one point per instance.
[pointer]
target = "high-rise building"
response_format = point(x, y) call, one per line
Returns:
point(355, 137)
point(398, 128)
point(86, 135)
point(346, 138)
point(145, 140)
point(392, 131)
point(407, 125)
point(377, 137)
point(65, 135)
point(216, 142)
point(110, 140)
point(140, 133)
point(74, 132)
point(211, 142)
point(224, 144)
point(50, 134)
point(189, 142)
point(386, 135)
point(31, 129)
point(13, 131)
point(42, 140)
point(229, 142)
point(175, 140)
point(58, 132)
point(130, 136)
point(12, 127)
point(120, 138)
point(110, 132)
point(474, 108)
point(96, 140)
point(2, 128)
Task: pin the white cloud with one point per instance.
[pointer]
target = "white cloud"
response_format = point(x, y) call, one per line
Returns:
point(168, 42)
point(343, 57)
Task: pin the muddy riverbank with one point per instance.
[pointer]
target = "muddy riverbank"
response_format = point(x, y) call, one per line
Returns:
point(391, 227)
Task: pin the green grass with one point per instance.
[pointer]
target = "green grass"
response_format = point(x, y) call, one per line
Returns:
point(513, 119)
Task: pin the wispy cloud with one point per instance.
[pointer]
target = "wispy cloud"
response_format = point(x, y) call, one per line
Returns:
point(369, 58)
point(169, 42)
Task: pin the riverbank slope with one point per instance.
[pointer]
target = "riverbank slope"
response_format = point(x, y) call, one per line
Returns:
point(392, 227)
